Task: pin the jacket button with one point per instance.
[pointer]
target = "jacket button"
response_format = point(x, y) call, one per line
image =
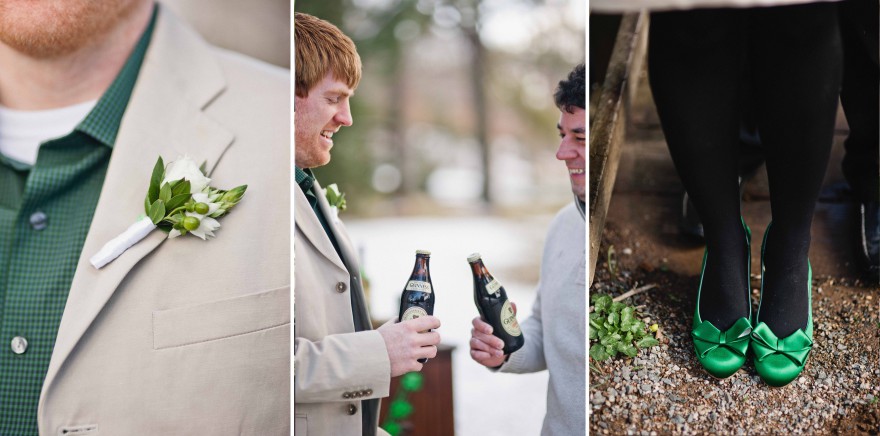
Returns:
point(369, 392)
point(346, 395)
point(341, 287)
point(352, 409)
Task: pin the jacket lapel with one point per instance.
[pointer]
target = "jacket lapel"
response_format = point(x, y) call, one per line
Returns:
point(164, 117)
point(345, 245)
point(349, 258)
point(308, 223)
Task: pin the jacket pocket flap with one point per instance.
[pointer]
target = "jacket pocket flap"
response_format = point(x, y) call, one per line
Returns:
point(221, 319)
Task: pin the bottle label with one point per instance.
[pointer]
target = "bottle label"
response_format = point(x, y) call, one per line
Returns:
point(413, 313)
point(493, 286)
point(508, 320)
point(418, 285)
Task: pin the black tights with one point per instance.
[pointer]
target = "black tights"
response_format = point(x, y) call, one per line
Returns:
point(696, 60)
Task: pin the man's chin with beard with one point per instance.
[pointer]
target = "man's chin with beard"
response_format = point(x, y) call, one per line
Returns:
point(48, 29)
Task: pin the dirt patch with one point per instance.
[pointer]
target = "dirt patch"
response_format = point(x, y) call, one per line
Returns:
point(665, 390)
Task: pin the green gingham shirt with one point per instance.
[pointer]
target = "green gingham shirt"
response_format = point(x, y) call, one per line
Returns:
point(45, 213)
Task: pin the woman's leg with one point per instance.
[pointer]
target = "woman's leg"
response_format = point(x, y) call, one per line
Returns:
point(695, 62)
point(796, 55)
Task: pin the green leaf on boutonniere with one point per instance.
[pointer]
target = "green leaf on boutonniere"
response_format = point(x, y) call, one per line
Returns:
point(180, 187)
point(180, 199)
point(157, 212)
point(176, 202)
point(156, 181)
point(335, 197)
point(165, 193)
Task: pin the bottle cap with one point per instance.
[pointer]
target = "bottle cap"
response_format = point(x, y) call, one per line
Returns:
point(474, 257)
point(425, 252)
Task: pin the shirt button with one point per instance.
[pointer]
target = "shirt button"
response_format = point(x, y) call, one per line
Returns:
point(19, 345)
point(341, 287)
point(39, 220)
point(352, 409)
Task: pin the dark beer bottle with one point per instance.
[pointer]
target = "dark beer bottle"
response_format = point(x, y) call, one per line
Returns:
point(491, 300)
point(418, 294)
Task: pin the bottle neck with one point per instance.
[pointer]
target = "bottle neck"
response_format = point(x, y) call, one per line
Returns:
point(420, 269)
point(478, 269)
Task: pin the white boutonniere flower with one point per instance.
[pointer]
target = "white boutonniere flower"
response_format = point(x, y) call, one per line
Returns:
point(186, 168)
point(336, 199)
point(179, 201)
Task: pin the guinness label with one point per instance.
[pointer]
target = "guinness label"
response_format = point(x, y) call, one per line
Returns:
point(508, 320)
point(415, 312)
point(416, 285)
point(493, 286)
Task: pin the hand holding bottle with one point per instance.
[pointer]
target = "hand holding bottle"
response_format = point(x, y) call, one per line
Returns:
point(486, 348)
point(409, 341)
point(418, 295)
point(497, 313)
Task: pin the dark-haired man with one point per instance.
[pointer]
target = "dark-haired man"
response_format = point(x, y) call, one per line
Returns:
point(554, 333)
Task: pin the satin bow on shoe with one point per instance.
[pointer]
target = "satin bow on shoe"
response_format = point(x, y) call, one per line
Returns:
point(708, 338)
point(779, 361)
point(795, 347)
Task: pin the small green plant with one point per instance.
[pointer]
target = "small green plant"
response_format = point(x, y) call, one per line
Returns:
point(616, 329)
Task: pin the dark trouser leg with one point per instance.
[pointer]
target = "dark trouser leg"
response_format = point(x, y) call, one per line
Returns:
point(796, 56)
point(860, 97)
point(695, 59)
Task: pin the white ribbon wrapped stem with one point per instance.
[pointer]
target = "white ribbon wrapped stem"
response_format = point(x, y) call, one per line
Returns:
point(116, 246)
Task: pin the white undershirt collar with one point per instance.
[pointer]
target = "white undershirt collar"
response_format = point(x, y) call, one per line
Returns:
point(22, 132)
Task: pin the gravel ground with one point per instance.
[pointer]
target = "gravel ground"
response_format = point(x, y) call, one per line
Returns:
point(665, 390)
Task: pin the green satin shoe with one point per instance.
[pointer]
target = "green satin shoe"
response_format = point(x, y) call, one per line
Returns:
point(779, 361)
point(722, 353)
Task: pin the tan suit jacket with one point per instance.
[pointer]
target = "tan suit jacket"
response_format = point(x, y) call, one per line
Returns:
point(336, 363)
point(184, 336)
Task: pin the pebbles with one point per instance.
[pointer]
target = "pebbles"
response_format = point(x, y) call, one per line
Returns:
point(664, 390)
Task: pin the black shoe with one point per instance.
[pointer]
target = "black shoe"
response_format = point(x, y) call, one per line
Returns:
point(869, 243)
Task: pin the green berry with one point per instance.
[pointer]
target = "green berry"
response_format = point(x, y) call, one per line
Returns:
point(191, 223)
point(201, 208)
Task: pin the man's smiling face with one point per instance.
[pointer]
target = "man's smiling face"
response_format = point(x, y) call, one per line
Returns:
point(317, 117)
point(573, 148)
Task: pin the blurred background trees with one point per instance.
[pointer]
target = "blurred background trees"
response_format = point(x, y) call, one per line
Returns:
point(455, 110)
